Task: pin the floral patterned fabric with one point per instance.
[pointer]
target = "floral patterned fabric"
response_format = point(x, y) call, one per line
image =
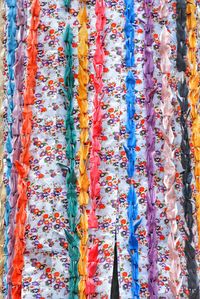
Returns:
point(46, 256)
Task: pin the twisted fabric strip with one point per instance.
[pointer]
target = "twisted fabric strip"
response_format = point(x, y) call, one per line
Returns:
point(71, 180)
point(95, 195)
point(193, 96)
point(130, 148)
point(11, 47)
point(132, 198)
point(83, 180)
point(185, 152)
point(189, 249)
point(16, 128)
point(150, 140)
point(23, 165)
point(193, 284)
point(67, 3)
point(198, 21)
point(175, 281)
point(2, 96)
point(181, 35)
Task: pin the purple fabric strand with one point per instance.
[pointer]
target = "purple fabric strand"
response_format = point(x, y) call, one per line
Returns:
point(150, 141)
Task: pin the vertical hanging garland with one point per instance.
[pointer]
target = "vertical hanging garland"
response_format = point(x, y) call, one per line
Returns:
point(16, 128)
point(11, 47)
point(130, 148)
point(95, 195)
point(71, 180)
point(150, 140)
point(23, 165)
point(83, 180)
point(193, 96)
point(185, 152)
point(2, 95)
point(198, 22)
point(168, 153)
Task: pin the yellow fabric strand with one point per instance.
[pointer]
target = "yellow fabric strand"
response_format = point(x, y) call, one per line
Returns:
point(194, 94)
point(83, 180)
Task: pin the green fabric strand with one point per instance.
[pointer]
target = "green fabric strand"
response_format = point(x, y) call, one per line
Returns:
point(71, 180)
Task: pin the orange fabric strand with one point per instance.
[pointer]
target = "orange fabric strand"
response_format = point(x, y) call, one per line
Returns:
point(194, 94)
point(83, 180)
point(23, 166)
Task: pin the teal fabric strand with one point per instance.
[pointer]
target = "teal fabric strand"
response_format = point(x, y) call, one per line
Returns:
point(11, 47)
point(70, 136)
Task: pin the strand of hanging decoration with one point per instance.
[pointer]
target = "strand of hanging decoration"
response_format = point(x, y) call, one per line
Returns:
point(2, 97)
point(67, 4)
point(11, 46)
point(95, 172)
point(198, 22)
point(198, 116)
point(19, 69)
point(150, 141)
point(193, 97)
point(71, 180)
point(23, 165)
point(189, 248)
point(83, 180)
point(175, 280)
point(130, 147)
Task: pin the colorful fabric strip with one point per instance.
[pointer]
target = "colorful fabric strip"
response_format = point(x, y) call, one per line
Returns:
point(97, 116)
point(193, 96)
point(23, 165)
point(16, 128)
point(198, 21)
point(11, 47)
point(83, 180)
point(185, 151)
point(67, 3)
point(2, 187)
point(132, 198)
point(130, 148)
point(189, 249)
point(71, 180)
point(175, 280)
point(95, 172)
point(150, 142)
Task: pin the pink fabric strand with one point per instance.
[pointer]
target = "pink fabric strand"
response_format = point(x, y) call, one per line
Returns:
point(175, 280)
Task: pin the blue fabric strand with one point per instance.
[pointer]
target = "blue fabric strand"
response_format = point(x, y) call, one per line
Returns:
point(130, 147)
